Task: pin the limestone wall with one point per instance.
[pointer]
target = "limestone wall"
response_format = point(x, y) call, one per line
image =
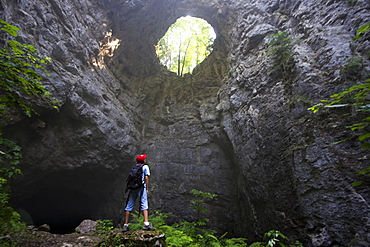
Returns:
point(234, 127)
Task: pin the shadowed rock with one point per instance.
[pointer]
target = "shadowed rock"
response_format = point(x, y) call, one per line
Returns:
point(234, 127)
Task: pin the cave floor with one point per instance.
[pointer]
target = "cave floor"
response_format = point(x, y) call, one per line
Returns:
point(32, 238)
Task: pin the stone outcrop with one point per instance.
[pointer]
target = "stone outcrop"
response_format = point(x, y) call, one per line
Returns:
point(234, 127)
point(136, 238)
point(86, 226)
point(91, 238)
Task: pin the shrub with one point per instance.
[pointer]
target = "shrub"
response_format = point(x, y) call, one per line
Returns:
point(280, 51)
point(20, 82)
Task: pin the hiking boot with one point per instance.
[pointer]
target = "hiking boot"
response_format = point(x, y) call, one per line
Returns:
point(148, 228)
point(125, 228)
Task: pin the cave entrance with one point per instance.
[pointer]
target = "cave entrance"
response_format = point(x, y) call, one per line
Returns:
point(64, 199)
point(63, 209)
point(186, 44)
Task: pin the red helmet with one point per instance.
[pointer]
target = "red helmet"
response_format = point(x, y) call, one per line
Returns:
point(141, 158)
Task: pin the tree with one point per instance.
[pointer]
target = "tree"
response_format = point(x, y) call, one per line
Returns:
point(20, 82)
point(186, 44)
point(198, 204)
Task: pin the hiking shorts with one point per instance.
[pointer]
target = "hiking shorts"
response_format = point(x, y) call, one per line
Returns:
point(132, 197)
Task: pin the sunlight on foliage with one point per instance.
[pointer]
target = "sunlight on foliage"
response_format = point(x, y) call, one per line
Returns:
point(20, 78)
point(186, 44)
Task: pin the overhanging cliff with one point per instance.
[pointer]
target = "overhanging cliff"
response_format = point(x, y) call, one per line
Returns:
point(233, 127)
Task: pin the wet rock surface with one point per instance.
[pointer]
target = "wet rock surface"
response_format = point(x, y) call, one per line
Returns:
point(233, 127)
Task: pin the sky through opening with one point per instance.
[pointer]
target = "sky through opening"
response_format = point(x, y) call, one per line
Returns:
point(186, 44)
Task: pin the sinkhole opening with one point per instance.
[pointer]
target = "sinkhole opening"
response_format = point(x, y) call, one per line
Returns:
point(186, 44)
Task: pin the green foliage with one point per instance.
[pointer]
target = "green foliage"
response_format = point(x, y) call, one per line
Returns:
point(10, 220)
point(198, 204)
point(193, 234)
point(280, 51)
point(176, 237)
point(275, 238)
point(20, 80)
point(186, 44)
point(188, 234)
point(10, 29)
point(353, 67)
point(237, 242)
point(158, 219)
point(9, 158)
point(194, 228)
point(103, 227)
point(112, 240)
point(365, 171)
point(362, 30)
point(109, 238)
point(355, 98)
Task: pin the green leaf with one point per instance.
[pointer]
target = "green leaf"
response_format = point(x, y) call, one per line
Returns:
point(358, 126)
point(316, 107)
point(357, 183)
point(364, 136)
point(362, 30)
point(334, 106)
point(10, 29)
point(365, 145)
point(365, 171)
point(337, 142)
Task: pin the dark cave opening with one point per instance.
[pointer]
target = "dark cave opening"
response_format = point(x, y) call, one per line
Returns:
point(63, 209)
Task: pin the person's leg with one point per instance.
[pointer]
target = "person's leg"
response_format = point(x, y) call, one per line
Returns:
point(146, 215)
point(129, 207)
point(144, 208)
point(144, 204)
point(127, 217)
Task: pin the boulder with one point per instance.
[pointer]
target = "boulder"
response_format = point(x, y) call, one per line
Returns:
point(86, 226)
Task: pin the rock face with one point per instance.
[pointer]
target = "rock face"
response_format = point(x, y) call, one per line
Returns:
point(234, 127)
point(91, 238)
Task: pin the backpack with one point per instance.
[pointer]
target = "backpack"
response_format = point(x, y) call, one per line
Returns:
point(135, 178)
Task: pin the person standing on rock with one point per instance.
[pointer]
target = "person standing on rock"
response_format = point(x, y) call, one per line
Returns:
point(141, 193)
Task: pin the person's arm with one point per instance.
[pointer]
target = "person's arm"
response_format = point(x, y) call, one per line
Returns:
point(147, 183)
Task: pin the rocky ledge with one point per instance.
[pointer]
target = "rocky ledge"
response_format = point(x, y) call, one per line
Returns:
point(41, 237)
